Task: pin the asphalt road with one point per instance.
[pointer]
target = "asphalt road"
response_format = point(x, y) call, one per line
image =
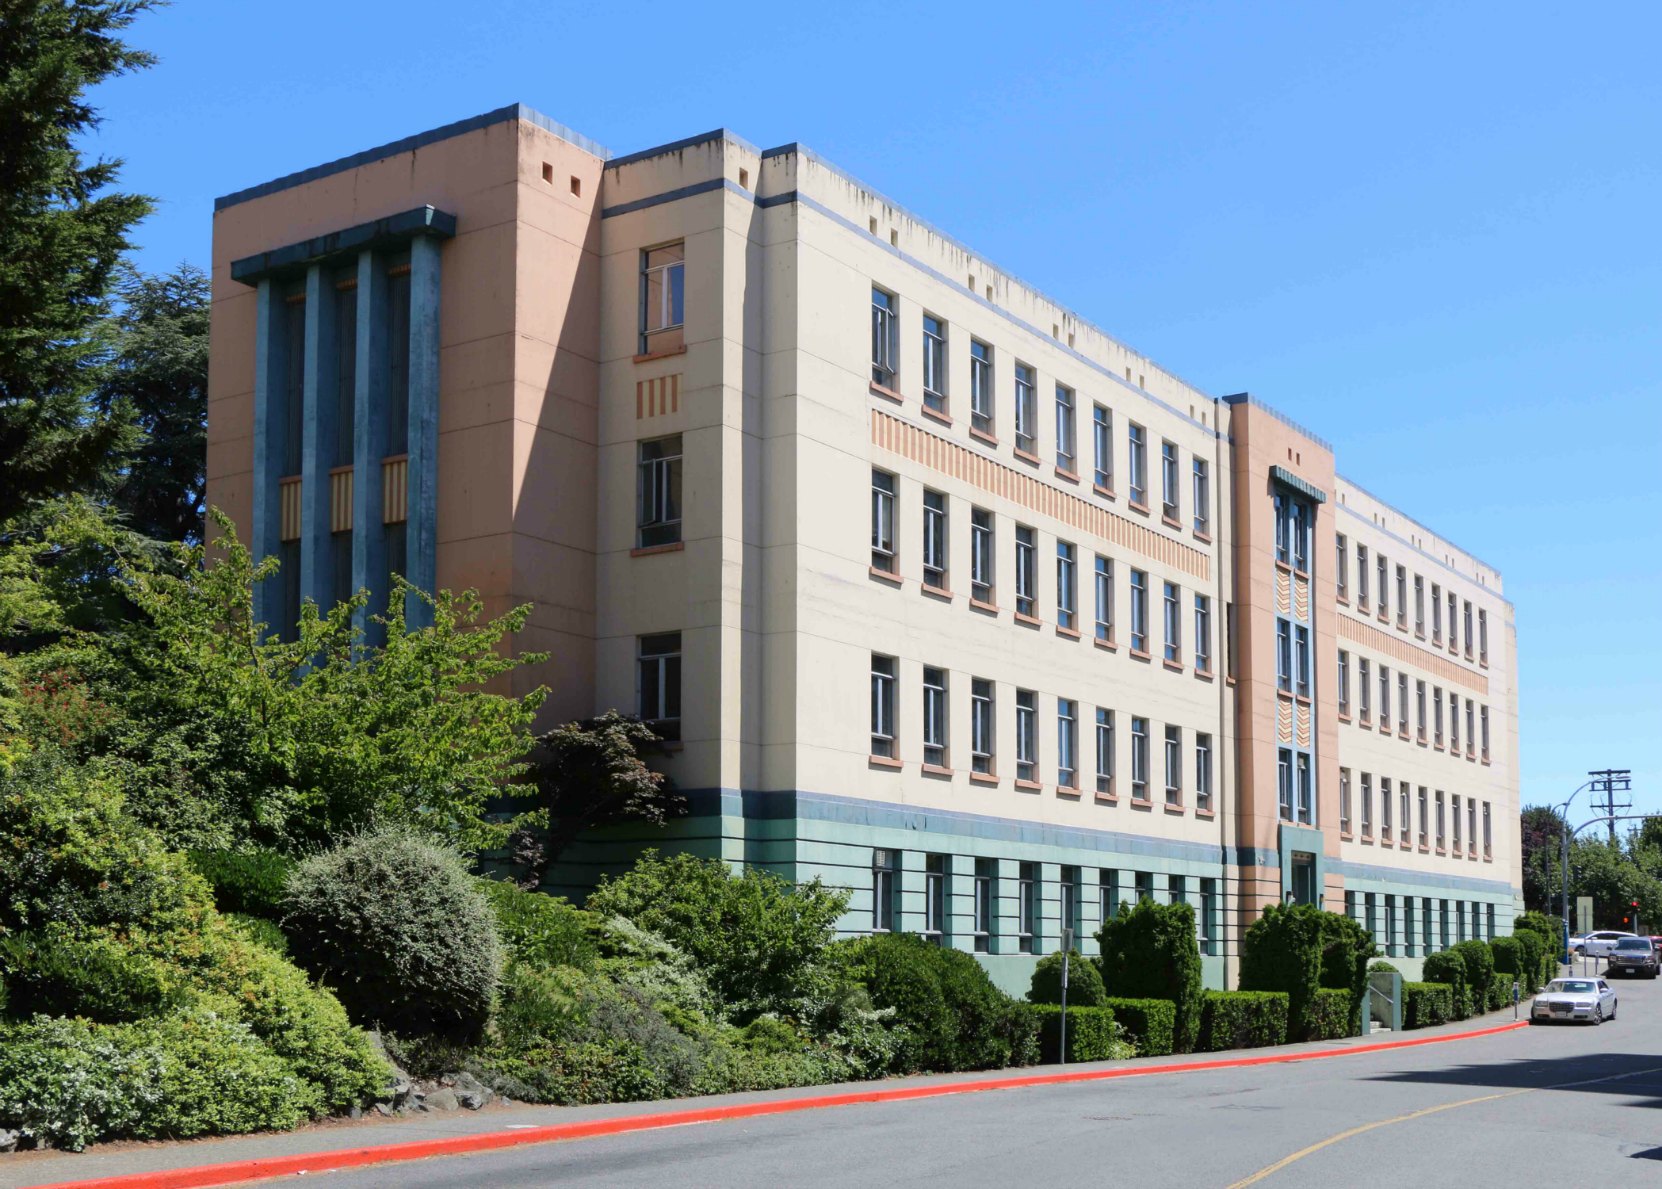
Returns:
point(1565, 1104)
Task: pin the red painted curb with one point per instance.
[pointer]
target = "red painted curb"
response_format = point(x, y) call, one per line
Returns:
point(280, 1166)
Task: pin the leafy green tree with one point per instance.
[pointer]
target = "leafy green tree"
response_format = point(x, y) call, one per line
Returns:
point(757, 937)
point(1150, 952)
point(1539, 828)
point(590, 774)
point(62, 235)
point(159, 373)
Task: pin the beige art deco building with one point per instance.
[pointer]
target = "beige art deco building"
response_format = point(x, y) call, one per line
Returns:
point(947, 596)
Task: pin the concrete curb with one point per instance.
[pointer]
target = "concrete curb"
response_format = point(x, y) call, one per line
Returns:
point(240, 1171)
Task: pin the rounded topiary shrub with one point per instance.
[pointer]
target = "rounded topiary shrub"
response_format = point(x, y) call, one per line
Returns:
point(398, 928)
point(1480, 971)
point(1149, 951)
point(1084, 982)
point(1449, 968)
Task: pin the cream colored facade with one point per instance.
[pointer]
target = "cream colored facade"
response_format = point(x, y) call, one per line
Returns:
point(550, 395)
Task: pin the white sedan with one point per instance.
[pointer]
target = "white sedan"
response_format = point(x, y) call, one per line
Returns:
point(1589, 999)
point(1598, 945)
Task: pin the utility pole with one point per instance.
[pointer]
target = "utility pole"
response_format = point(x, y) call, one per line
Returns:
point(1611, 781)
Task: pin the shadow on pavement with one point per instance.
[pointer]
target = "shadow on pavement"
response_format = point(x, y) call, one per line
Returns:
point(1630, 1075)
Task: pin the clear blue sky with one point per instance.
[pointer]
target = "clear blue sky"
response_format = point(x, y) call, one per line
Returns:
point(1429, 232)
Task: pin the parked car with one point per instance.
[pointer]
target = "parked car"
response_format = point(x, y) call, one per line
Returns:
point(1599, 944)
point(1633, 956)
point(1589, 999)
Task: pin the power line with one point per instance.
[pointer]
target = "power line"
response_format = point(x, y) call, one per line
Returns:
point(1611, 781)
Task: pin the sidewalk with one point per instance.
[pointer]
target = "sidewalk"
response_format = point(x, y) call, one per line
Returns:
point(343, 1143)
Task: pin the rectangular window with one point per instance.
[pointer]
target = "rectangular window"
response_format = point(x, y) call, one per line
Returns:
point(1202, 496)
point(1027, 735)
point(981, 555)
point(1306, 791)
point(1419, 605)
point(1402, 596)
point(882, 706)
point(1483, 642)
point(1425, 817)
point(934, 899)
point(1384, 573)
point(1104, 750)
point(1104, 598)
point(658, 676)
point(1027, 572)
point(1174, 623)
point(1419, 709)
point(1139, 759)
point(1139, 612)
point(1137, 442)
point(663, 298)
point(1442, 824)
point(1488, 833)
point(1467, 629)
point(934, 540)
point(1102, 447)
point(1406, 824)
point(1344, 800)
point(1361, 577)
point(1067, 586)
point(1283, 656)
point(1169, 489)
point(1069, 889)
point(883, 556)
point(1301, 536)
point(981, 726)
point(1203, 771)
point(1471, 825)
point(882, 891)
point(1067, 743)
point(1437, 716)
point(1283, 529)
point(1364, 688)
point(1402, 703)
point(1027, 920)
point(658, 492)
point(1344, 682)
point(985, 875)
point(885, 338)
point(1453, 622)
point(1408, 932)
point(1145, 886)
point(1206, 921)
point(981, 387)
point(1436, 614)
point(1366, 795)
point(1341, 568)
point(1453, 721)
point(1301, 657)
point(1385, 697)
point(1391, 925)
point(1174, 765)
point(1108, 893)
point(1483, 725)
point(934, 716)
point(1284, 783)
point(1203, 633)
point(1066, 440)
point(934, 363)
point(1454, 808)
point(1385, 808)
point(1027, 411)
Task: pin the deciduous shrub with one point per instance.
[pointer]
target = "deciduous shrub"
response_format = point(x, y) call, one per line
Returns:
point(1426, 1004)
point(1330, 1014)
point(953, 1016)
point(756, 936)
point(1150, 951)
point(1529, 961)
point(1347, 948)
point(1242, 1020)
point(539, 929)
point(400, 931)
point(246, 881)
point(1282, 951)
point(1084, 982)
point(1092, 1034)
point(1449, 967)
point(1550, 931)
point(260, 931)
point(51, 972)
point(1149, 1024)
point(1480, 971)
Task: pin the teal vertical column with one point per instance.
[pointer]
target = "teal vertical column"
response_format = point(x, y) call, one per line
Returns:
point(369, 403)
point(1049, 931)
point(422, 528)
point(960, 901)
point(263, 534)
point(1007, 908)
point(317, 440)
point(909, 883)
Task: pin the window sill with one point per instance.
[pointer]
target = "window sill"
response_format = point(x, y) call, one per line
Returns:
point(987, 608)
point(1402, 733)
point(889, 576)
point(1175, 810)
point(1141, 803)
point(1482, 664)
point(1174, 666)
point(1070, 791)
point(1206, 814)
point(1029, 786)
point(1136, 507)
point(1365, 722)
point(1204, 538)
point(1070, 633)
point(1302, 699)
point(1419, 634)
point(884, 762)
point(982, 435)
point(1486, 761)
point(937, 592)
point(1106, 493)
point(649, 550)
point(1282, 567)
point(1138, 655)
point(1028, 620)
point(1031, 459)
point(1204, 674)
point(1342, 599)
point(1438, 747)
point(877, 389)
point(1107, 798)
point(1062, 472)
point(1421, 740)
point(983, 778)
point(1171, 522)
point(667, 353)
point(936, 415)
point(1346, 835)
point(1107, 645)
point(1343, 717)
point(936, 770)
point(1384, 617)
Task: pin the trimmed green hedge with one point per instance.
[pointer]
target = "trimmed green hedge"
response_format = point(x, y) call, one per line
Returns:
point(1449, 967)
point(1084, 982)
point(1480, 972)
point(1426, 1004)
point(1532, 956)
point(1242, 1020)
point(1149, 1024)
point(1092, 1035)
point(1330, 1014)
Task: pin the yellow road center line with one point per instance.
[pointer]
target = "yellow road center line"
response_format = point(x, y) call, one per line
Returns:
point(1420, 1114)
